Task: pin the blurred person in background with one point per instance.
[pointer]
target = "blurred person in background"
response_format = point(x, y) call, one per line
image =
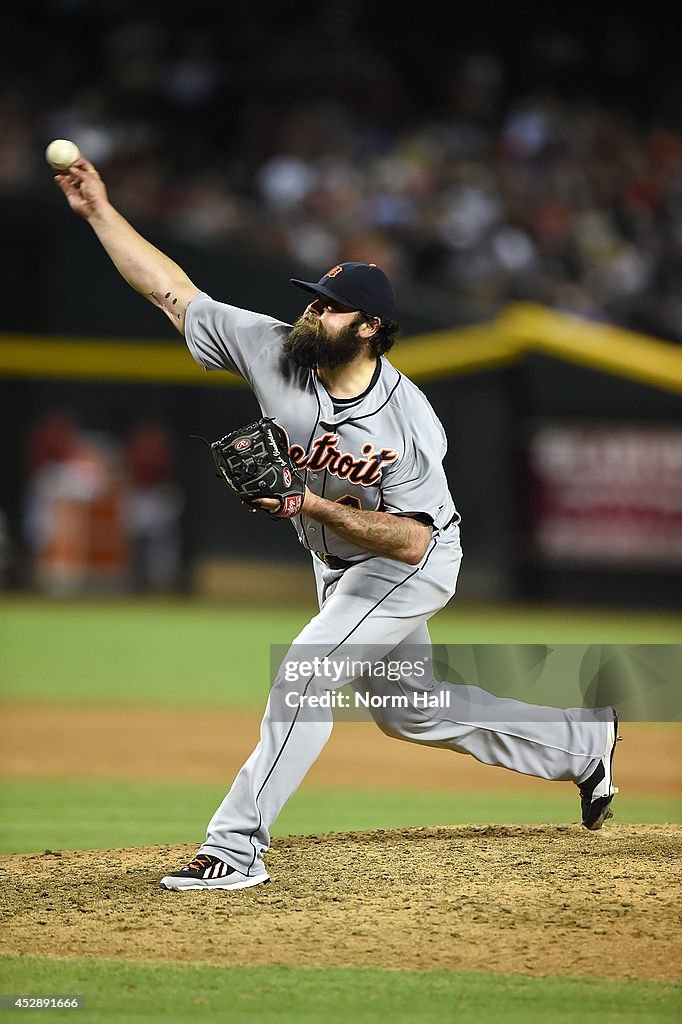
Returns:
point(153, 507)
point(74, 509)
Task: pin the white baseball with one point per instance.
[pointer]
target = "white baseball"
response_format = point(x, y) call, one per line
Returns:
point(61, 153)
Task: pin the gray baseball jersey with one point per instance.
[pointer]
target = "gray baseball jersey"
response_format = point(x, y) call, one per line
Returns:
point(383, 452)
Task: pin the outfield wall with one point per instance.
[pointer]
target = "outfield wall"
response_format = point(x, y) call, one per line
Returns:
point(77, 338)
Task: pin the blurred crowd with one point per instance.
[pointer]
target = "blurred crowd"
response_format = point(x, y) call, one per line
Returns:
point(101, 514)
point(492, 162)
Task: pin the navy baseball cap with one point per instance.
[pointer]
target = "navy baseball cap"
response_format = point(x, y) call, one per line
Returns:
point(362, 286)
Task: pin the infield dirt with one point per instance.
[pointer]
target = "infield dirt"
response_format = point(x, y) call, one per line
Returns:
point(209, 746)
point(535, 900)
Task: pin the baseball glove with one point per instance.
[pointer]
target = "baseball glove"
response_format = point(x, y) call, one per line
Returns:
point(254, 460)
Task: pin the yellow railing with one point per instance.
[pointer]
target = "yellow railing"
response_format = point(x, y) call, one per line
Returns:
point(521, 328)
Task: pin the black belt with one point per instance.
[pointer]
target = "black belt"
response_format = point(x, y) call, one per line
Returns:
point(332, 562)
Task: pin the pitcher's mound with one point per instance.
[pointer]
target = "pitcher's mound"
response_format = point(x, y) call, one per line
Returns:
point(520, 899)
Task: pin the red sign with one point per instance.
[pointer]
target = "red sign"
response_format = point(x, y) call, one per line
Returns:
point(606, 494)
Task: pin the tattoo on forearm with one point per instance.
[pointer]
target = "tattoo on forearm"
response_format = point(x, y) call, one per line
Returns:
point(164, 304)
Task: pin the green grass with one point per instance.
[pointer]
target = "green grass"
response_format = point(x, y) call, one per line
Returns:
point(116, 991)
point(180, 653)
point(139, 653)
point(75, 814)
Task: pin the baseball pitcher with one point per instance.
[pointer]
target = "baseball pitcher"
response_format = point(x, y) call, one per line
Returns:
point(351, 451)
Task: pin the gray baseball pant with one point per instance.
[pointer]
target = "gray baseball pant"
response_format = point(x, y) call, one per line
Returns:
point(380, 607)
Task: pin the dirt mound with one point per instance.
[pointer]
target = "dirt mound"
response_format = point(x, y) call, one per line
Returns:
point(524, 899)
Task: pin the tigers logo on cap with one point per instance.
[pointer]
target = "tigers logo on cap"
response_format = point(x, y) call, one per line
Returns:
point(357, 286)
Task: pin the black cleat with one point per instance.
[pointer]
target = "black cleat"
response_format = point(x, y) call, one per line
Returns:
point(597, 792)
point(207, 872)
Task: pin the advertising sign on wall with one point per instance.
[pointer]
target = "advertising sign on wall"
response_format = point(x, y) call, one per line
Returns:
point(605, 494)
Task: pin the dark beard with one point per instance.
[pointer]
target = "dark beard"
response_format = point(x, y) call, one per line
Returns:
point(309, 344)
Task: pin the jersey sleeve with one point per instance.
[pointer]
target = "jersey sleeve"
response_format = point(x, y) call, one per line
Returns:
point(223, 337)
point(417, 483)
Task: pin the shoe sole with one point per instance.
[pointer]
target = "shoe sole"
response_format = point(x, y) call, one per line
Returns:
point(603, 816)
point(606, 811)
point(180, 885)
